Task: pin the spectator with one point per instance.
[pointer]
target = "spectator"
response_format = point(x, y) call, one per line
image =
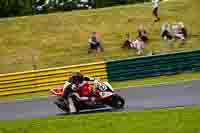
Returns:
point(174, 28)
point(181, 33)
point(128, 41)
point(166, 32)
point(155, 4)
point(142, 33)
point(94, 43)
point(139, 46)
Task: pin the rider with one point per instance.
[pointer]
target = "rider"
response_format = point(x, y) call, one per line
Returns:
point(78, 80)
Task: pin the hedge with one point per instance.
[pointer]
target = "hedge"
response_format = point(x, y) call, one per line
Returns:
point(27, 7)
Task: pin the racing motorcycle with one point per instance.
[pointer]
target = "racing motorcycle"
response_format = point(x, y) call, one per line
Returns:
point(103, 92)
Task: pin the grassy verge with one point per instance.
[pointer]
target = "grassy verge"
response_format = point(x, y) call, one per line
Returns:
point(178, 120)
point(122, 84)
point(59, 39)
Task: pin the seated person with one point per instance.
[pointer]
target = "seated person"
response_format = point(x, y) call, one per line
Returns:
point(165, 32)
point(182, 32)
point(128, 41)
point(94, 43)
point(142, 33)
point(174, 28)
point(139, 46)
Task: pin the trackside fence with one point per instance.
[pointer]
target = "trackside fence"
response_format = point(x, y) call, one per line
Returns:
point(116, 70)
point(156, 65)
point(42, 80)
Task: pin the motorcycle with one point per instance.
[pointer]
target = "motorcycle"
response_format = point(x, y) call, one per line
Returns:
point(102, 91)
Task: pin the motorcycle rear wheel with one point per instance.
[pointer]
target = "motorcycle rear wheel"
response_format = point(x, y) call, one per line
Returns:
point(60, 104)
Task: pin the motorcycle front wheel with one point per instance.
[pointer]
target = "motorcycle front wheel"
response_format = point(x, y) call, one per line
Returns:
point(117, 102)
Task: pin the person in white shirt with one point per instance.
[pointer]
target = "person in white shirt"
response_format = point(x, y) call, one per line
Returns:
point(138, 44)
point(155, 4)
point(166, 32)
point(181, 33)
point(175, 28)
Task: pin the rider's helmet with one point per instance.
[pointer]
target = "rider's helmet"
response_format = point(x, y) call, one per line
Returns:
point(77, 77)
point(76, 72)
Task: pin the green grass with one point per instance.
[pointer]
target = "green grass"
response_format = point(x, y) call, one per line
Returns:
point(60, 39)
point(178, 120)
point(121, 84)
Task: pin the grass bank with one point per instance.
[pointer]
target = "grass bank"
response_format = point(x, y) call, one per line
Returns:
point(59, 39)
point(178, 120)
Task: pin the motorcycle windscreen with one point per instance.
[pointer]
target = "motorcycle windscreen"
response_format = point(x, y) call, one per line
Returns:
point(105, 94)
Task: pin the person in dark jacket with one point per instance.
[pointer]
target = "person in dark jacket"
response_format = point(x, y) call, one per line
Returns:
point(166, 32)
point(94, 43)
point(142, 33)
point(127, 43)
point(77, 80)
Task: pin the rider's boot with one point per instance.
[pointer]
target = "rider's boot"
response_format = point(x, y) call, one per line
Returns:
point(72, 108)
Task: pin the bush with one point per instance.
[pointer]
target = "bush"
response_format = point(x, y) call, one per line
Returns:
point(106, 3)
point(4, 8)
point(15, 8)
point(28, 7)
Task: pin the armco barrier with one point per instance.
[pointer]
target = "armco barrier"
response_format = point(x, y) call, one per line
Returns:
point(156, 65)
point(132, 68)
point(42, 80)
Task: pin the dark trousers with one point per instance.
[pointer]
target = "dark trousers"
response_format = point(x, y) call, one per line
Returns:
point(155, 12)
point(167, 34)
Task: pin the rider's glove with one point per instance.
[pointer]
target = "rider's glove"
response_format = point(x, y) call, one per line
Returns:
point(74, 87)
point(92, 79)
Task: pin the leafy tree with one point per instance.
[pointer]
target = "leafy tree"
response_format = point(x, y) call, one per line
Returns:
point(4, 11)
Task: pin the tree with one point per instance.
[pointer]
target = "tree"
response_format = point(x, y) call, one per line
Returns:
point(4, 12)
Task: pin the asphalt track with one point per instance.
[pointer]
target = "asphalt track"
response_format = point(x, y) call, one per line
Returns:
point(157, 96)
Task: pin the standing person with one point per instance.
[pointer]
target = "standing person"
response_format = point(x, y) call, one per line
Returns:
point(155, 4)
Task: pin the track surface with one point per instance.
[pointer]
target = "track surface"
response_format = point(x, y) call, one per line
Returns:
point(157, 96)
